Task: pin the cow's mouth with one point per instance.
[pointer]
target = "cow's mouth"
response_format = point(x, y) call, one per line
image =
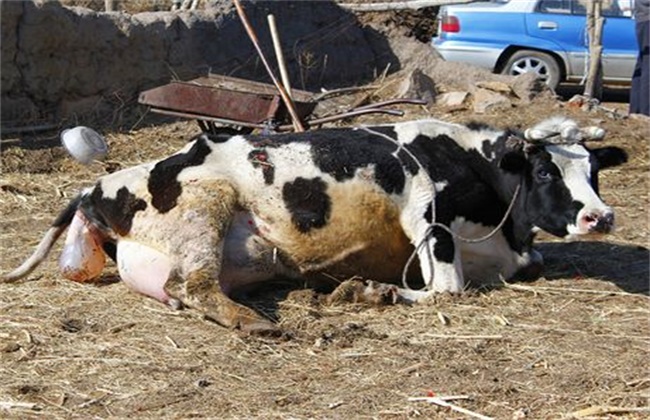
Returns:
point(596, 222)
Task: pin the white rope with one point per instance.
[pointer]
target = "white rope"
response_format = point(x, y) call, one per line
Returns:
point(440, 225)
point(457, 236)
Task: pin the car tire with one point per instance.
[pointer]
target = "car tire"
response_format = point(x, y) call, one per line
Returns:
point(529, 61)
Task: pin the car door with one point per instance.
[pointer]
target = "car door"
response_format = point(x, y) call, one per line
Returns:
point(619, 48)
point(565, 23)
point(554, 21)
point(619, 39)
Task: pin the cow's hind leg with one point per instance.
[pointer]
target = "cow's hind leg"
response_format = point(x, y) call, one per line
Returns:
point(200, 291)
point(205, 213)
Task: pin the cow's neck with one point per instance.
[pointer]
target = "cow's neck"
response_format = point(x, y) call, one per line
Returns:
point(507, 187)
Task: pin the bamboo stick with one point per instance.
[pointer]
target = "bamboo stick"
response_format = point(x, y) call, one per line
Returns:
point(283, 93)
point(277, 46)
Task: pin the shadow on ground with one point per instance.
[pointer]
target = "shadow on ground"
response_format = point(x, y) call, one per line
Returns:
point(627, 266)
point(611, 94)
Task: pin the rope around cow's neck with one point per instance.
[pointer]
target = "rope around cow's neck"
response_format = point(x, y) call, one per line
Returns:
point(440, 225)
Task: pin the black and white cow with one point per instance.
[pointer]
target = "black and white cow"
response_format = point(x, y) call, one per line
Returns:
point(221, 215)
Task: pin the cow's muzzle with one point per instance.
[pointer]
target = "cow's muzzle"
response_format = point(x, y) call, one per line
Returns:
point(597, 222)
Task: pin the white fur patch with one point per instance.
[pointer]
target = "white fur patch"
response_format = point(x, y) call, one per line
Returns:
point(574, 165)
point(486, 260)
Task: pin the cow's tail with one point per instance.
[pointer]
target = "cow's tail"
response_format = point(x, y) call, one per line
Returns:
point(59, 226)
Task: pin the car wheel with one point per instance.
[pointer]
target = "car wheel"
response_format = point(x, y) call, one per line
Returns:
point(539, 63)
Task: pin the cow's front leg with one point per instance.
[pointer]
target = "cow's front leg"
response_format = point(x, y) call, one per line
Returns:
point(444, 255)
point(440, 263)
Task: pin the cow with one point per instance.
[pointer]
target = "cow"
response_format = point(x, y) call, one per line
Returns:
point(226, 214)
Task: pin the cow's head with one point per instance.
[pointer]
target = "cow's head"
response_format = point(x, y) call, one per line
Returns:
point(560, 177)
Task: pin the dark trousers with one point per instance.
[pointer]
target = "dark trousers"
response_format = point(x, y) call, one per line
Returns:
point(640, 90)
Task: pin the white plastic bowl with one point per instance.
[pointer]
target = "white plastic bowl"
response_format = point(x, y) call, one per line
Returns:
point(84, 144)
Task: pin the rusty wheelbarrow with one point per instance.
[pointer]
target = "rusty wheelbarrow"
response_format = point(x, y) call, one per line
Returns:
point(216, 101)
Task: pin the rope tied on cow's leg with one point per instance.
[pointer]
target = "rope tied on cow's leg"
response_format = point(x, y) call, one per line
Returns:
point(429, 230)
point(457, 236)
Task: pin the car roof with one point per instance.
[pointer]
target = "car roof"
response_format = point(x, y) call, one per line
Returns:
point(498, 6)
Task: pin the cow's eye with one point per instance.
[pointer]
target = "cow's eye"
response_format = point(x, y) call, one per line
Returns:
point(544, 175)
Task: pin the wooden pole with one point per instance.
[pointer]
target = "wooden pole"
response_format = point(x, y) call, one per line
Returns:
point(297, 125)
point(595, 21)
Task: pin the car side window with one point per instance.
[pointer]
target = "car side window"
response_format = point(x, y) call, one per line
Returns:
point(554, 6)
point(611, 8)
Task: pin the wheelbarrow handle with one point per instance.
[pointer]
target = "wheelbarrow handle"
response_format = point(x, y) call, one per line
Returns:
point(392, 102)
point(348, 114)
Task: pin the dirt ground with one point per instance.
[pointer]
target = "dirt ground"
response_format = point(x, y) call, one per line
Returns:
point(576, 339)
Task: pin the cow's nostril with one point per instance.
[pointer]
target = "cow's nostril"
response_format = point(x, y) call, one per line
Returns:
point(604, 223)
point(591, 218)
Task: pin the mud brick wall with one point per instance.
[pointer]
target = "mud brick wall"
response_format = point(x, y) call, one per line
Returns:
point(60, 62)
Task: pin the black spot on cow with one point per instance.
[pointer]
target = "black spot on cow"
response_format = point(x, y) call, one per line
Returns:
point(307, 202)
point(428, 213)
point(603, 158)
point(222, 134)
point(442, 150)
point(163, 182)
point(497, 147)
point(341, 152)
point(478, 126)
point(466, 185)
point(443, 249)
point(408, 162)
point(66, 216)
point(114, 213)
point(110, 248)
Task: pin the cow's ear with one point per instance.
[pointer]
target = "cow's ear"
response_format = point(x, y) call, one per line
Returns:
point(514, 162)
point(609, 156)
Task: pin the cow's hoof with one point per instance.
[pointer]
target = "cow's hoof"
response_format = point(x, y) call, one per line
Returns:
point(380, 293)
point(346, 292)
point(356, 291)
point(175, 304)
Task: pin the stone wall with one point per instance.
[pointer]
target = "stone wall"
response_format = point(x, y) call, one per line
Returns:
point(60, 62)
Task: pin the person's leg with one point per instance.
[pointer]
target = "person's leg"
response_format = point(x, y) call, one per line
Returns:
point(640, 89)
point(644, 94)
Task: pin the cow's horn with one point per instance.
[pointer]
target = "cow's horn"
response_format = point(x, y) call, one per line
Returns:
point(571, 134)
point(593, 133)
point(537, 134)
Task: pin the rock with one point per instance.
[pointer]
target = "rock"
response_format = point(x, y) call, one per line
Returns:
point(527, 86)
point(452, 100)
point(419, 86)
point(495, 86)
point(485, 100)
